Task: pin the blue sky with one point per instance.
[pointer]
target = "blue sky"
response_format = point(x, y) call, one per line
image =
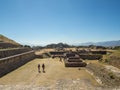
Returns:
point(41, 22)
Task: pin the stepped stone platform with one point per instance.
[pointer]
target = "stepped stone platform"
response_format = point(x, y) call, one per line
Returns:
point(91, 56)
point(10, 63)
point(13, 51)
point(73, 61)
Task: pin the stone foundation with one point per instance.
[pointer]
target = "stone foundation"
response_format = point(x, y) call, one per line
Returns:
point(75, 64)
point(11, 63)
point(99, 52)
point(91, 57)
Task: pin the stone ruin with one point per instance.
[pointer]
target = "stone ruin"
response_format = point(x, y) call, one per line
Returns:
point(103, 52)
point(14, 51)
point(55, 54)
point(91, 54)
point(73, 60)
point(14, 58)
point(13, 55)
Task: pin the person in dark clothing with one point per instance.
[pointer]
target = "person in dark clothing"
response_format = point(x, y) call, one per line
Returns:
point(60, 59)
point(43, 67)
point(39, 68)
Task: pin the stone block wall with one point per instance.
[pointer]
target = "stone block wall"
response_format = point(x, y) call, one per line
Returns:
point(11, 63)
point(14, 51)
point(91, 57)
point(74, 64)
point(99, 52)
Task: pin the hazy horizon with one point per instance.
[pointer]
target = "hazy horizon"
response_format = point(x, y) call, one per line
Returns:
point(42, 22)
point(76, 44)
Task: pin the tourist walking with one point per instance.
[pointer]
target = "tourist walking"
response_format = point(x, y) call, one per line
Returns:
point(39, 68)
point(43, 67)
point(60, 59)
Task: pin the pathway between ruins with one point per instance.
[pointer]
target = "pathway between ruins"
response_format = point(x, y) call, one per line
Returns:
point(56, 74)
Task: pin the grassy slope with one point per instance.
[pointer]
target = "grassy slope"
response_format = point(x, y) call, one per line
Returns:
point(113, 58)
point(5, 39)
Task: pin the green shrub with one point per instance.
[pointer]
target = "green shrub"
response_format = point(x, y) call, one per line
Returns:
point(111, 75)
point(106, 60)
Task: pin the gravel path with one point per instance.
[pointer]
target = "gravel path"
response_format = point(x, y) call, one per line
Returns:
point(66, 84)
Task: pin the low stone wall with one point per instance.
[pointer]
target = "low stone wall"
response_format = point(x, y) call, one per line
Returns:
point(106, 77)
point(74, 60)
point(11, 63)
point(14, 51)
point(99, 52)
point(91, 57)
point(68, 55)
point(56, 52)
point(74, 64)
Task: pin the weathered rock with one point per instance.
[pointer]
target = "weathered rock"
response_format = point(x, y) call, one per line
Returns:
point(107, 77)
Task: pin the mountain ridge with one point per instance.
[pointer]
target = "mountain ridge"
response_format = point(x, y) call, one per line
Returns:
point(104, 43)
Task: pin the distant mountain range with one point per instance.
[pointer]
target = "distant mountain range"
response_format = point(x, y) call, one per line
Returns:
point(59, 45)
point(106, 43)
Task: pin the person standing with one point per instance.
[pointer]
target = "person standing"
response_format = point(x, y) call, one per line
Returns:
point(39, 68)
point(60, 59)
point(43, 67)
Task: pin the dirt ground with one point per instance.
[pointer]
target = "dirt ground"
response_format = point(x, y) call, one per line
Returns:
point(54, 71)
